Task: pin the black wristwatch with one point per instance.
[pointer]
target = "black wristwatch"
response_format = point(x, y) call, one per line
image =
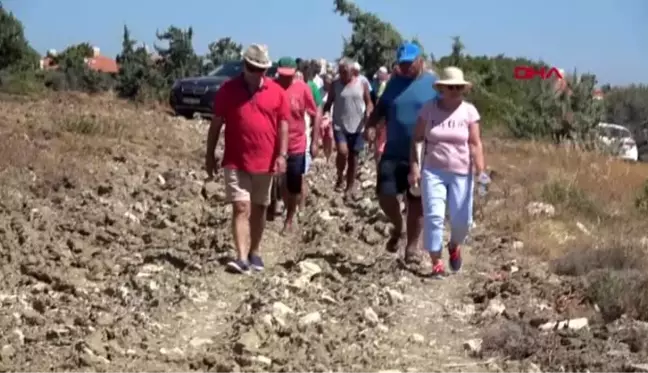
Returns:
point(284, 155)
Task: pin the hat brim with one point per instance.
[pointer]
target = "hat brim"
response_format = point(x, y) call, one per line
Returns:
point(260, 65)
point(408, 58)
point(453, 82)
point(286, 71)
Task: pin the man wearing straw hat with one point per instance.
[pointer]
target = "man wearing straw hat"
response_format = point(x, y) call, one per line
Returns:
point(404, 95)
point(255, 112)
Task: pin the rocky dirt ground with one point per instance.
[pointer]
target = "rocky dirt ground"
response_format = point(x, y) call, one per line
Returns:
point(111, 256)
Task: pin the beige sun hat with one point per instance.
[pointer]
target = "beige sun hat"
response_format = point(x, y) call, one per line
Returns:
point(452, 76)
point(257, 55)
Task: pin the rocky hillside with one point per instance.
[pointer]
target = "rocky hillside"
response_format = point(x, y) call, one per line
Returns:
point(111, 255)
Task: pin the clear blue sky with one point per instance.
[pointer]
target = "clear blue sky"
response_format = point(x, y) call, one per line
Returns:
point(607, 37)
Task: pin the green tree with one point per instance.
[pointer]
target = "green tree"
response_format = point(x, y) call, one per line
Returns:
point(416, 41)
point(526, 109)
point(456, 56)
point(130, 74)
point(627, 106)
point(74, 56)
point(73, 72)
point(178, 60)
point(138, 77)
point(572, 112)
point(585, 110)
point(373, 42)
point(494, 90)
point(128, 46)
point(15, 51)
point(223, 50)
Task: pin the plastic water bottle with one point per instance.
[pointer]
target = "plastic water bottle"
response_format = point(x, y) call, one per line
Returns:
point(415, 190)
point(481, 190)
point(483, 181)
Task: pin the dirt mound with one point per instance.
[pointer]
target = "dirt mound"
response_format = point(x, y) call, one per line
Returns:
point(90, 204)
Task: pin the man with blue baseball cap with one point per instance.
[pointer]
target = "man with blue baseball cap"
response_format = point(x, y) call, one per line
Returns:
point(403, 97)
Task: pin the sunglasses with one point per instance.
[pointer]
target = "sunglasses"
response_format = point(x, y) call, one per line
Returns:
point(253, 69)
point(454, 87)
point(405, 65)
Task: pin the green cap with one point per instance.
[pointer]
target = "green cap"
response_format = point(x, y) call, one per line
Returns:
point(287, 62)
point(286, 66)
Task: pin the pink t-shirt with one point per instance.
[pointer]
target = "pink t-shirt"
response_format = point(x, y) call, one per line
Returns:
point(446, 136)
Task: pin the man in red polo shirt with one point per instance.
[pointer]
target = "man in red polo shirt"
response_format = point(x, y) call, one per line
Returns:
point(302, 103)
point(255, 112)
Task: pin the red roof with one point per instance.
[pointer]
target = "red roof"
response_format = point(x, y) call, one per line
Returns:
point(103, 64)
point(97, 63)
point(48, 63)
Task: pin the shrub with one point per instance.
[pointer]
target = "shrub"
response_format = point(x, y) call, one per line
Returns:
point(566, 194)
point(641, 202)
point(21, 82)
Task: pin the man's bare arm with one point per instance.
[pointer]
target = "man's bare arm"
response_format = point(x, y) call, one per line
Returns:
point(283, 137)
point(418, 137)
point(317, 124)
point(377, 115)
point(214, 134)
point(329, 101)
point(476, 147)
point(367, 99)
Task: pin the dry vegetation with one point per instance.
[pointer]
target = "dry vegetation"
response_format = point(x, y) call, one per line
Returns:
point(599, 192)
point(62, 137)
point(599, 224)
point(595, 240)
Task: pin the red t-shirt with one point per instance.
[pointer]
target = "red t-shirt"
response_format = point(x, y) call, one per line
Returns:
point(251, 124)
point(301, 101)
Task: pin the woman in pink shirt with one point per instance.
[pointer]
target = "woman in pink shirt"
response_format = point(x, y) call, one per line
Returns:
point(446, 150)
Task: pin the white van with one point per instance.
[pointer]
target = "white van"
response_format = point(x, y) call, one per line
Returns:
point(619, 139)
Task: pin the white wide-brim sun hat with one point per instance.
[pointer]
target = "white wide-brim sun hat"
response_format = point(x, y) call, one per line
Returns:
point(452, 76)
point(257, 55)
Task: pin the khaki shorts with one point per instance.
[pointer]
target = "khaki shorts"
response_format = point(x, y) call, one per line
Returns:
point(241, 186)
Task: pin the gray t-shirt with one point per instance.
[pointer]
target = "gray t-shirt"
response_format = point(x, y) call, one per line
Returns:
point(349, 106)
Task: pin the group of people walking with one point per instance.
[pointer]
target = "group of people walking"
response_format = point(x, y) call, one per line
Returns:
point(426, 137)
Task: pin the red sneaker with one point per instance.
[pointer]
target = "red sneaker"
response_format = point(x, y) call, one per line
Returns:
point(438, 270)
point(455, 258)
